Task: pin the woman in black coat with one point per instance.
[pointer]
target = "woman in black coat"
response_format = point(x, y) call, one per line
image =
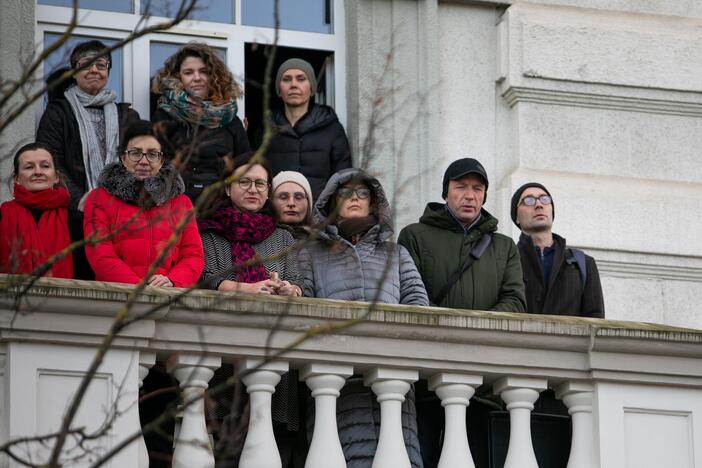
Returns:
point(81, 127)
point(309, 137)
point(196, 111)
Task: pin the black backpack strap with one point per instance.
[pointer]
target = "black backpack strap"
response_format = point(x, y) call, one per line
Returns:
point(577, 256)
point(475, 253)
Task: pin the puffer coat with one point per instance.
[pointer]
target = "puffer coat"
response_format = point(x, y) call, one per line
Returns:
point(315, 146)
point(334, 268)
point(133, 240)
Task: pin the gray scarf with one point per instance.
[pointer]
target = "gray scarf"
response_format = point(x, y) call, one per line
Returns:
point(92, 153)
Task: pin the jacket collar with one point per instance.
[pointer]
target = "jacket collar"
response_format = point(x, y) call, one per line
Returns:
point(436, 215)
point(152, 191)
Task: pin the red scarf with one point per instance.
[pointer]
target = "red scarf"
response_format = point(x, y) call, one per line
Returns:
point(26, 244)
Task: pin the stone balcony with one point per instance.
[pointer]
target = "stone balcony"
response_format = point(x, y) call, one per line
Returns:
point(634, 390)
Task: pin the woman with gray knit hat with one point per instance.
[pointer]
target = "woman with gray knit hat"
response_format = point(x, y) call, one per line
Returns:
point(309, 138)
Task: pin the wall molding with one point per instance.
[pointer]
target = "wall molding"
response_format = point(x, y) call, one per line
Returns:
point(516, 94)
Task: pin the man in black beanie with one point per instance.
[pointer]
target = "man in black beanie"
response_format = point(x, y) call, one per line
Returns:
point(464, 262)
point(558, 279)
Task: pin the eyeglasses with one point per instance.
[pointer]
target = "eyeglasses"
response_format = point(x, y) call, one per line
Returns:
point(135, 155)
point(285, 196)
point(346, 192)
point(531, 200)
point(260, 184)
point(86, 64)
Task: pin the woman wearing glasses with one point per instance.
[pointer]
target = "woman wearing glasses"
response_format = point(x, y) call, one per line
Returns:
point(196, 110)
point(244, 251)
point(81, 127)
point(292, 203)
point(132, 214)
point(353, 260)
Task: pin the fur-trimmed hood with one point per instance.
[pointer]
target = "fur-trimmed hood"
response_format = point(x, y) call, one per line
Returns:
point(379, 202)
point(152, 191)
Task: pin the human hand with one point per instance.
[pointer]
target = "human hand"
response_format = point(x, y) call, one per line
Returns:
point(287, 289)
point(160, 280)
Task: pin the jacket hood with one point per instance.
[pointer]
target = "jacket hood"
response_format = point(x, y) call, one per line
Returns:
point(378, 199)
point(318, 116)
point(437, 215)
point(152, 191)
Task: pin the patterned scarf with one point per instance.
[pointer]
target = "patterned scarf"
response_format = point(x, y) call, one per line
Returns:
point(93, 151)
point(243, 231)
point(26, 244)
point(187, 107)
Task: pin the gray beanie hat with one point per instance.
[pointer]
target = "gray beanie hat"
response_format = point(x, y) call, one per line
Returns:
point(299, 64)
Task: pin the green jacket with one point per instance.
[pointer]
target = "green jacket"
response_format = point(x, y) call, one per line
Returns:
point(439, 246)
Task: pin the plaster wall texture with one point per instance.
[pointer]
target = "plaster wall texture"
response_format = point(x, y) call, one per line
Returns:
point(16, 43)
point(601, 101)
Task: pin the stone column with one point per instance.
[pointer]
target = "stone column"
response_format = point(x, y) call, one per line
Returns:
point(390, 385)
point(520, 393)
point(578, 398)
point(260, 449)
point(192, 447)
point(325, 381)
point(455, 391)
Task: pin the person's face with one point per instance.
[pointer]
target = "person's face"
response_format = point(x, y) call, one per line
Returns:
point(249, 191)
point(92, 78)
point(193, 75)
point(536, 218)
point(465, 197)
point(36, 171)
point(351, 203)
point(143, 156)
point(295, 88)
point(290, 203)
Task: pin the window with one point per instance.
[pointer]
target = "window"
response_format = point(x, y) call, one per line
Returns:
point(237, 29)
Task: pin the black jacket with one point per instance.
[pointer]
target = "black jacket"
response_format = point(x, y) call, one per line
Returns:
point(205, 161)
point(565, 294)
point(58, 129)
point(316, 146)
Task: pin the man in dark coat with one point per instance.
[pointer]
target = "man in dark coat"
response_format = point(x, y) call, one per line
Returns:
point(448, 234)
point(558, 280)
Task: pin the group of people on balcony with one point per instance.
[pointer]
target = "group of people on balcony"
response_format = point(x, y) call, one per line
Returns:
point(299, 222)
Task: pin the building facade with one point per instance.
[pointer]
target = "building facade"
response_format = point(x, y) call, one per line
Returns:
point(601, 101)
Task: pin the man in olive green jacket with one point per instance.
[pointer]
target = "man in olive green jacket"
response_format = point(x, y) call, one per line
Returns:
point(447, 234)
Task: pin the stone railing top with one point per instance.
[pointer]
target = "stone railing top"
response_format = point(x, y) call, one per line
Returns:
point(306, 330)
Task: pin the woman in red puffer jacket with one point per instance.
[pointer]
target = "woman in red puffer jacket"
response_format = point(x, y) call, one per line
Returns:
point(134, 211)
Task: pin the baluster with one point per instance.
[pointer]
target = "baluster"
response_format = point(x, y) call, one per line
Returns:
point(146, 361)
point(260, 449)
point(578, 398)
point(192, 447)
point(390, 385)
point(455, 391)
point(325, 381)
point(520, 393)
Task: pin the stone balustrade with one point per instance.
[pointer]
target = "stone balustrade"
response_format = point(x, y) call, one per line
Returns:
point(634, 390)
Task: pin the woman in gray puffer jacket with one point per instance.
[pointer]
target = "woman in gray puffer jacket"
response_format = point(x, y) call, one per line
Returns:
point(352, 259)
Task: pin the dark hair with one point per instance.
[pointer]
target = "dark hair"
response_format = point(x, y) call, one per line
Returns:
point(95, 46)
point(29, 147)
point(137, 128)
point(372, 203)
point(221, 199)
point(223, 86)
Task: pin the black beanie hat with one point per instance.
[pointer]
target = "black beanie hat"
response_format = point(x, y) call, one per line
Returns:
point(463, 167)
point(518, 194)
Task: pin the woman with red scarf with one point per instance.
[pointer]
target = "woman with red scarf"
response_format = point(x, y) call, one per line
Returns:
point(34, 225)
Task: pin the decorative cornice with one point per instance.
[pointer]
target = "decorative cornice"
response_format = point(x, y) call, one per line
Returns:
point(639, 270)
point(516, 94)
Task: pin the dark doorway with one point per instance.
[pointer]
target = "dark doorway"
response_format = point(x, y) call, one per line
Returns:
point(255, 66)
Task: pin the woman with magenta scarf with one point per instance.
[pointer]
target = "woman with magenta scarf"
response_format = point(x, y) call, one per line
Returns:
point(34, 225)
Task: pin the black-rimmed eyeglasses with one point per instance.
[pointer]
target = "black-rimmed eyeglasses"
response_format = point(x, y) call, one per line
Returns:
point(347, 192)
point(135, 155)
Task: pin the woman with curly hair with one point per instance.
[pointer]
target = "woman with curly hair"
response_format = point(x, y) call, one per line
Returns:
point(196, 115)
